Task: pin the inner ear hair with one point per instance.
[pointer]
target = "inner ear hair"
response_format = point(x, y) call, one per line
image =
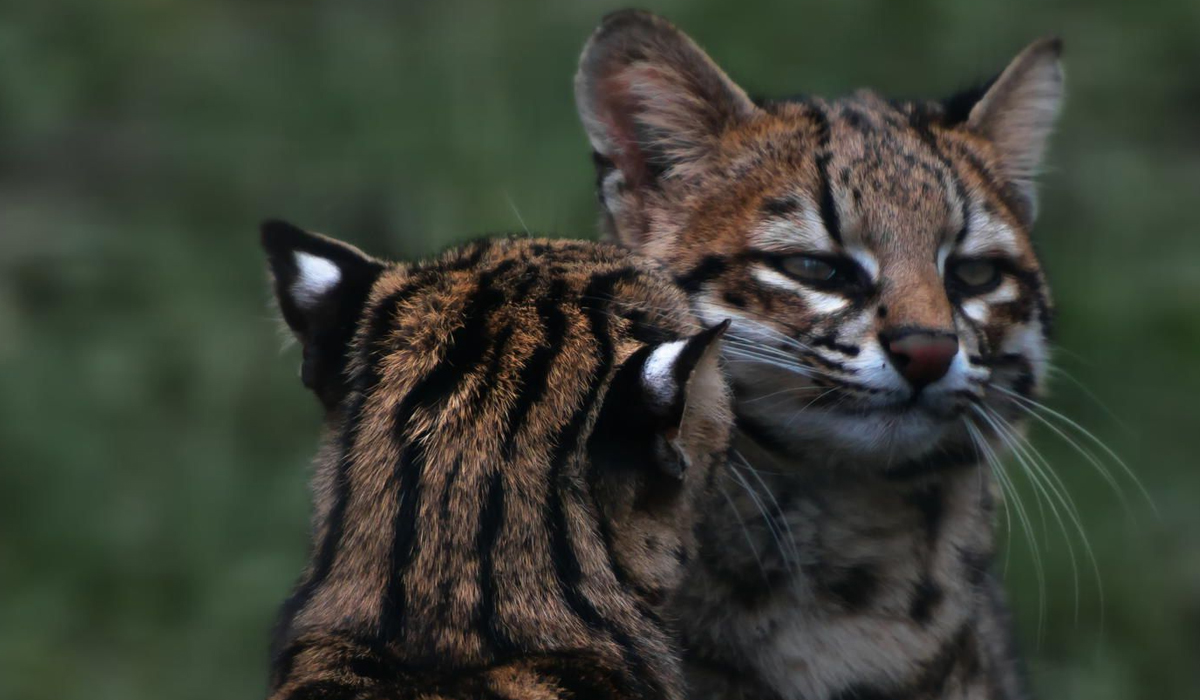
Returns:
point(1017, 113)
point(650, 98)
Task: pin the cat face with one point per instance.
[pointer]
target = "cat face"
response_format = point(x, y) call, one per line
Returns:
point(874, 255)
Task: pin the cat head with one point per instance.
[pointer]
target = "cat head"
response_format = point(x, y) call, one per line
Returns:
point(515, 422)
point(874, 255)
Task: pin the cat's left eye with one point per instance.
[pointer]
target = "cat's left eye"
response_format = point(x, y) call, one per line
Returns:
point(974, 276)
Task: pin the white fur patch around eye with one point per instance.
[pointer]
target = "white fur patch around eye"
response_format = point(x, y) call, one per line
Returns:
point(943, 255)
point(658, 374)
point(976, 310)
point(1007, 291)
point(865, 260)
point(979, 309)
point(986, 235)
point(315, 276)
point(803, 229)
point(819, 302)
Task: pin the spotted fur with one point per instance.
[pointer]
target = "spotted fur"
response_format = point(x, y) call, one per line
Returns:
point(517, 434)
point(855, 560)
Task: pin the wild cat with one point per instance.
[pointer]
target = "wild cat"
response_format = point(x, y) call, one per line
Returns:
point(889, 319)
point(517, 435)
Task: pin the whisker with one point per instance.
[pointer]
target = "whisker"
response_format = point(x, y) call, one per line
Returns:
point(767, 518)
point(805, 407)
point(1026, 525)
point(972, 432)
point(758, 347)
point(513, 205)
point(1060, 372)
point(1043, 413)
point(795, 553)
point(1031, 464)
point(1064, 495)
point(786, 364)
point(789, 391)
point(746, 532)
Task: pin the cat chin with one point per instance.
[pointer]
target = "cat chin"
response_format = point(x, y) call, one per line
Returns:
point(872, 440)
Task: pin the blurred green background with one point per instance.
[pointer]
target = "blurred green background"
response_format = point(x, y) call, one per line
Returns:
point(154, 437)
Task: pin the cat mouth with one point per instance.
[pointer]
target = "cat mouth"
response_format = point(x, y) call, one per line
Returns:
point(939, 408)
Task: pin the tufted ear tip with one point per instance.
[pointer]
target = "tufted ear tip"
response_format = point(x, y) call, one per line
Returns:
point(277, 234)
point(663, 401)
point(670, 368)
point(629, 17)
point(651, 101)
point(1051, 44)
point(321, 286)
point(1017, 114)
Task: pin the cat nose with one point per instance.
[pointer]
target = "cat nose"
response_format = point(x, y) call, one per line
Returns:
point(921, 356)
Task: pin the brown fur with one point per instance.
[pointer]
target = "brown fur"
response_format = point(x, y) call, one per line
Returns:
point(474, 534)
point(852, 557)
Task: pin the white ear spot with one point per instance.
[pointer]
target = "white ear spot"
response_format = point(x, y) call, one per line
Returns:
point(315, 277)
point(658, 374)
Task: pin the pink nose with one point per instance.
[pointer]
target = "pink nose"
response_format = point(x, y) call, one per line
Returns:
point(922, 357)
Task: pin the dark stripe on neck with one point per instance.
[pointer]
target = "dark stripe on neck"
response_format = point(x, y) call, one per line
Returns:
point(467, 346)
point(567, 566)
point(408, 487)
point(620, 442)
point(958, 655)
point(531, 384)
point(569, 572)
point(377, 327)
point(491, 519)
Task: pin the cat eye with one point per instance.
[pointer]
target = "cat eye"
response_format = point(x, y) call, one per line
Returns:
point(809, 269)
point(974, 275)
point(823, 271)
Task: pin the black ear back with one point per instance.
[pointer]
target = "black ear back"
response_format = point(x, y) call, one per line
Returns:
point(322, 286)
point(645, 408)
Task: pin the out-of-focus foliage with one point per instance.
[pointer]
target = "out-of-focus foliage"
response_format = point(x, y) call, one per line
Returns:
point(154, 437)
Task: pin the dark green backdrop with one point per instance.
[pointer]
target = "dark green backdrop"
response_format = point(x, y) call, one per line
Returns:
point(154, 437)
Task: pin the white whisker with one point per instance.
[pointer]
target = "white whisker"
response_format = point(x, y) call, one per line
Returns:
point(742, 523)
point(795, 551)
point(1026, 525)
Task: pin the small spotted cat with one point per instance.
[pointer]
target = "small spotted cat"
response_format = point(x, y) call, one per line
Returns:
point(889, 317)
point(517, 436)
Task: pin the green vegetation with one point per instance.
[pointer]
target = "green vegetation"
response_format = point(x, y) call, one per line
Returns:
point(154, 437)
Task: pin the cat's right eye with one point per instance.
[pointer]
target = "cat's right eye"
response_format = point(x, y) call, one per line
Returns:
point(974, 276)
point(809, 269)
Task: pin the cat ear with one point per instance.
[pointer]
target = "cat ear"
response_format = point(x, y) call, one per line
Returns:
point(1017, 113)
point(680, 380)
point(650, 99)
point(321, 285)
point(654, 398)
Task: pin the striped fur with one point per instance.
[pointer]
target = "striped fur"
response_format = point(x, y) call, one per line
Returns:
point(854, 562)
point(506, 492)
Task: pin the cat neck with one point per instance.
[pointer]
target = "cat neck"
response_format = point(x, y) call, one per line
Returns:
point(809, 515)
point(815, 562)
